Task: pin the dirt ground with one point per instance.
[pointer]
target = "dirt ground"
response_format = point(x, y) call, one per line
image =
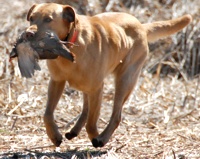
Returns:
point(159, 120)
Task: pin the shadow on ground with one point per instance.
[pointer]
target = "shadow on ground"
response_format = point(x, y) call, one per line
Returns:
point(68, 155)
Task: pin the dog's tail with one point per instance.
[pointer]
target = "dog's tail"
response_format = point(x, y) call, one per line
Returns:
point(161, 29)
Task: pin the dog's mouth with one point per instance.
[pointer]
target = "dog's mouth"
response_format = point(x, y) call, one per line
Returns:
point(29, 49)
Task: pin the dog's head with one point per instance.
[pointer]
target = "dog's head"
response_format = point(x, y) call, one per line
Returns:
point(57, 18)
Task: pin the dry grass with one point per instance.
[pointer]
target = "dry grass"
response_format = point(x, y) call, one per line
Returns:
point(160, 119)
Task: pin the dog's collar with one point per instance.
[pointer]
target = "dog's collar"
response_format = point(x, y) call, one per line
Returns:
point(70, 40)
point(74, 37)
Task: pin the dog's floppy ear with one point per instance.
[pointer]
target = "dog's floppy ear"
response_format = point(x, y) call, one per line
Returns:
point(30, 11)
point(69, 14)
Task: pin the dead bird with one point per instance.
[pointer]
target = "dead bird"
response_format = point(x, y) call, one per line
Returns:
point(29, 50)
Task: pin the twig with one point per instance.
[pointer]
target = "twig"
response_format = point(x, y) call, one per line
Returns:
point(9, 94)
point(21, 116)
point(83, 144)
point(15, 108)
point(154, 125)
point(174, 154)
point(72, 121)
point(182, 136)
point(184, 115)
point(158, 153)
point(120, 147)
point(40, 147)
point(15, 119)
point(104, 121)
point(196, 92)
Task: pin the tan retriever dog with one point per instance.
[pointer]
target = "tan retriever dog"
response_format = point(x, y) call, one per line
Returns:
point(107, 43)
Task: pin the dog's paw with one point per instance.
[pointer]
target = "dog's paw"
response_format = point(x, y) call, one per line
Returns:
point(57, 141)
point(70, 135)
point(97, 143)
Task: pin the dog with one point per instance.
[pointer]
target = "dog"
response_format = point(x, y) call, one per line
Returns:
point(107, 43)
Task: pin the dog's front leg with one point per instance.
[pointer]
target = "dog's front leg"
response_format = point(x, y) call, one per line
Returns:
point(54, 92)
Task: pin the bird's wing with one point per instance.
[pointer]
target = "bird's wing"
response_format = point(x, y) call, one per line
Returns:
point(27, 59)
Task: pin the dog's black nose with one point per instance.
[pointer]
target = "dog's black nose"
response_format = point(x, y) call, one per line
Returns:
point(30, 34)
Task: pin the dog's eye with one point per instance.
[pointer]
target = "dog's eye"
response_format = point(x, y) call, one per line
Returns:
point(47, 20)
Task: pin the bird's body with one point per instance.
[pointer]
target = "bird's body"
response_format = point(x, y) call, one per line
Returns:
point(30, 50)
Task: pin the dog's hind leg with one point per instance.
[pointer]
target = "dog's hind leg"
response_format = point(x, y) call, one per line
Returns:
point(126, 77)
point(81, 121)
point(94, 100)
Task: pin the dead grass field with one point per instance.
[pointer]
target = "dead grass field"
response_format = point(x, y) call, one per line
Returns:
point(161, 119)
